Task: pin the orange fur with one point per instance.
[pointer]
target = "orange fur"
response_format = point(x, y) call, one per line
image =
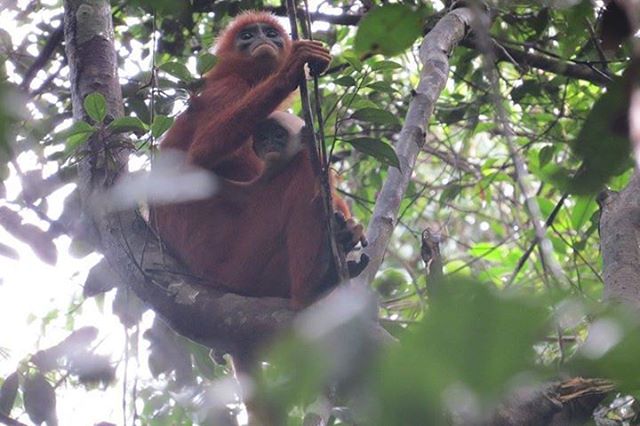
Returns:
point(256, 237)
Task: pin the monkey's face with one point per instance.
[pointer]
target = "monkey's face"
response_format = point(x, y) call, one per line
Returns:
point(278, 138)
point(261, 41)
point(271, 139)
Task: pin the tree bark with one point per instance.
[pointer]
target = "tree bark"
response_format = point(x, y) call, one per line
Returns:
point(620, 243)
point(434, 55)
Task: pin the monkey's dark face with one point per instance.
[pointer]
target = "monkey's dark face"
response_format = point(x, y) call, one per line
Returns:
point(260, 40)
point(270, 137)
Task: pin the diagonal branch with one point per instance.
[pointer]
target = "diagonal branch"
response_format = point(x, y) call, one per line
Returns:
point(434, 52)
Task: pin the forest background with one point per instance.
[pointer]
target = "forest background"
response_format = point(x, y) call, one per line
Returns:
point(486, 146)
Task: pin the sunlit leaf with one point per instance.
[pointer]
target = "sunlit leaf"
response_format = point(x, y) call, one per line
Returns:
point(546, 155)
point(127, 124)
point(385, 66)
point(382, 86)
point(95, 106)
point(389, 29)
point(603, 142)
point(161, 123)
point(352, 58)
point(346, 81)
point(178, 70)
point(582, 211)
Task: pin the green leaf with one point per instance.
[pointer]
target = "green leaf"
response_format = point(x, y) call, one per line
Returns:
point(377, 149)
point(352, 58)
point(206, 62)
point(177, 70)
point(76, 135)
point(603, 142)
point(161, 124)
point(95, 106)
point(545, 155)
point(346, 81)
point(452, 115)
point(389, 30)
point(450, 193)
point(488, 251)
point(582, 211)
point(382, 86)
point(376, 116)
point(127, 124)
point(385, 66)
point(528, 87)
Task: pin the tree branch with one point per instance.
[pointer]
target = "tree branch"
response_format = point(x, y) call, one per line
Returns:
point(553, 65)
point(43, 57)
point(524, 59)
point(569, 402)
point(434, 51)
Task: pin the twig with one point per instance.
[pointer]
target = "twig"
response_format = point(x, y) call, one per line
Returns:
point(320, 169)
point(521, 173)
point(527, 253)
point(55, 39)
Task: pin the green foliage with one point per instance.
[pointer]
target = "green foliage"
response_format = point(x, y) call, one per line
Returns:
point(160, 125)
point(611, 350)
point(127, 124)
point(95, 106)
point(178, 70)
point(472, 343)
point(390, 29)
point(466, 349)
point(76, 135)
point(376, 116)
point(603, 142)
point(377, 149)
point(206, 62)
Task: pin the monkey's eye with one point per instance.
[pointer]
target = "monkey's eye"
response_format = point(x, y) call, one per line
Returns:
point(246, 35)
point(271, 33)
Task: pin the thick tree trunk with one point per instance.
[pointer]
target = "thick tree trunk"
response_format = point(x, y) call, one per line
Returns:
point(620, 243)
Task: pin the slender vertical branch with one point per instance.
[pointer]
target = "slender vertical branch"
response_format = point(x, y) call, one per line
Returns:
point(320, 167)
point(481, 30)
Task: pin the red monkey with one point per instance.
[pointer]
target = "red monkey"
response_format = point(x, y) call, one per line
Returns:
point(258, 69)
point(261, 236)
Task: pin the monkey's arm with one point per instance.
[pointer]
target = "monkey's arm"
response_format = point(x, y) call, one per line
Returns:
point(219, 136)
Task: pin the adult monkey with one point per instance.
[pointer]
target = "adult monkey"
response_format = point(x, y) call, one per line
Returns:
point(258, 69)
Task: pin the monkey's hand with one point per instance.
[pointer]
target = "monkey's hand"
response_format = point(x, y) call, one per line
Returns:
point(305, 52)
point(349, 233)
